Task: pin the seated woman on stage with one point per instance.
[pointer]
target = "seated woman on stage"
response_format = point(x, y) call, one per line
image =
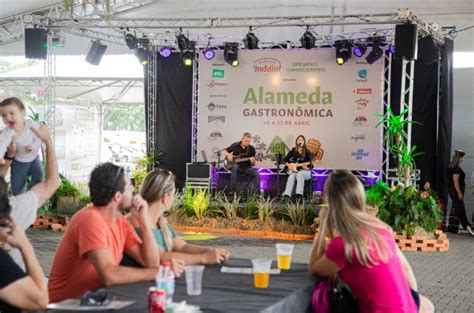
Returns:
point(158, 190)
point(362, 252)
point(298, 161)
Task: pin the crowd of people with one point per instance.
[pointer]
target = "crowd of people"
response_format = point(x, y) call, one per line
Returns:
point(104, 247)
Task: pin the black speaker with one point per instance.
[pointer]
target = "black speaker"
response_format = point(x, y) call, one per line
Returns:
point(406, 36)
point(428, 50)
point(36, 43)
point(96, 52)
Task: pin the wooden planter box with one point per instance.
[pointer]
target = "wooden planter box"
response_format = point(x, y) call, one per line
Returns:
point(417, 243)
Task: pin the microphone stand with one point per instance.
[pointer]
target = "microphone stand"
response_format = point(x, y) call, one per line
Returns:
point(278, 161)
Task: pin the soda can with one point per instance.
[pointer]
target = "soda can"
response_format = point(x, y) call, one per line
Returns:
point(156, 300)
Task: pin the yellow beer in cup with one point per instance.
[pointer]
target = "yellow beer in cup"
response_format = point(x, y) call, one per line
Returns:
point(284, 252)
point(261, 272)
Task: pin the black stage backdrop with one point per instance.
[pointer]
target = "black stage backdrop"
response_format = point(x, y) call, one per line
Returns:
point(174, 113)
point(434, 144)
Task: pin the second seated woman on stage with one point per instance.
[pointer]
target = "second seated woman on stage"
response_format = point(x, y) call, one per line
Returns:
point(158, 189)
point(298, 162)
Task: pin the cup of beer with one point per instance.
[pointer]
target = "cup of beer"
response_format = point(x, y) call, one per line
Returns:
point(261, 272)
point(284, 252)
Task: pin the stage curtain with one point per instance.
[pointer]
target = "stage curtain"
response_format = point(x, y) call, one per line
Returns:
point(173, 115)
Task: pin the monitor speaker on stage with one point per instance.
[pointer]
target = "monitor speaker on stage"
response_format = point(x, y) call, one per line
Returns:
point(36, 43)
point(406, 39)
point(198, 171)
point(428, 50)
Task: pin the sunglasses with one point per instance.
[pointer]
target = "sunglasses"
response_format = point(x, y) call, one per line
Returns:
point(95, 298)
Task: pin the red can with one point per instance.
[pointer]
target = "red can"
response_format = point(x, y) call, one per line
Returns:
point(156, 300)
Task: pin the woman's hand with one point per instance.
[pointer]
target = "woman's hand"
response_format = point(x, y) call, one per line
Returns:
point(215, 256)
point(139, 209)
point(16, 237)
point(460, 195)
point(177, 266)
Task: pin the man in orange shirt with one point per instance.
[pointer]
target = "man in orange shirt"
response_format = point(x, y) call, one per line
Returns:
point(90, 252)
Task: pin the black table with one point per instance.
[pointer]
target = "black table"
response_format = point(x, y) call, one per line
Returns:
point(288, 292)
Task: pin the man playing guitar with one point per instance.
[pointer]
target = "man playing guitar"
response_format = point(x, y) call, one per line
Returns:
point(298, 162)
point(242, 157)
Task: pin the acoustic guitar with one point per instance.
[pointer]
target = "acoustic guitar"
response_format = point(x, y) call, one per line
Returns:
point(236, 160)
point(293, 167)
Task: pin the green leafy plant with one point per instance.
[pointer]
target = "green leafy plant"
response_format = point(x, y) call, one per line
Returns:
point(405, 208)
point(72, 195)
point(296, 212)
point(266, 210)
point(250, 207)
point(201, 199)
point(230, 205)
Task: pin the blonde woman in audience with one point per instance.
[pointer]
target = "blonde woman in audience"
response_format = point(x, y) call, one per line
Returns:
point(362, 252)
point(158, 190)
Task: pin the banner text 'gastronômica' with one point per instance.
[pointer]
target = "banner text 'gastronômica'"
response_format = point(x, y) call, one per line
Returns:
point(298, 112)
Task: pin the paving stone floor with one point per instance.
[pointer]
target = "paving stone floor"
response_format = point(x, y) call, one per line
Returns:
point(446, 278)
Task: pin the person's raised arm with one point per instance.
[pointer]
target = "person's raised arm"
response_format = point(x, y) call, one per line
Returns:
point(147, 253)
point(111, 274)
point(31, 292)
point(10, 155)
point(46, 189)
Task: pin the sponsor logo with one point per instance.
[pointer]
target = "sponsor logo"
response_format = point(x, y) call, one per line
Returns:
point(212, 106)
point(361, 138)
point(218, 96)
point(267, 65)
point(360, 120)
point(217, 118)
point(362, 91)
point(214, 136)
point(213, 84)
point(362, 103)
point(217, 73)
point(359, 154)
point(362, 73)
point(218, 64)
point(361, 62)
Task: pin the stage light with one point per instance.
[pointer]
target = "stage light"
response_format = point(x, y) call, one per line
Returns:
point(165, 52)
point(391, 49)
point(208, 54)
point(308, 40)
point(187, 57)
point(142, 55)
point(183, 42)
point(359, 50)
point(131, 41)
point(231, 53)
point(251, 41)
point(343, 51)
point(375, 54)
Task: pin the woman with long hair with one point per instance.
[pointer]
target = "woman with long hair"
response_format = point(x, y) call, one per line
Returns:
point(298, 162)
point(457, 187)
point(362, 251)
point(158, 190)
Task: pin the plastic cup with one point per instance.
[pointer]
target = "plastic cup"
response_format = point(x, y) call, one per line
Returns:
point(284, 252)
point(261, 272)
point(194, 279)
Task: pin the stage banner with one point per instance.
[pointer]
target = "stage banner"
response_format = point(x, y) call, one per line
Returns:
point(277, 95)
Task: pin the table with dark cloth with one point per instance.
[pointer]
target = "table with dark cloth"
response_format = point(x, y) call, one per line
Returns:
point(288, 292)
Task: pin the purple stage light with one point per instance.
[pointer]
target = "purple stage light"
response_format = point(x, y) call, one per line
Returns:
point(209, 54)
point(358, 52)
point(391, 48)
point(165, 52)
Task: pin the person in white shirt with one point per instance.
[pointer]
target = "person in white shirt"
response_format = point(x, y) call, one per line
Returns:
point(26, 161)
point(25, 206)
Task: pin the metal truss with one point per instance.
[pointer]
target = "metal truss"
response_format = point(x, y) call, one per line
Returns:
point(152, 101)
point(406, 95)
point(195, 109)
point(74, 82)
point(49, 88)
point(386, 94)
